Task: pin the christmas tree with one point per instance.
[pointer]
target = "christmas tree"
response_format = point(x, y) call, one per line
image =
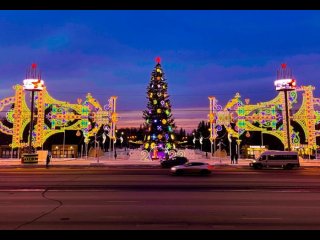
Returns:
point(159, 137)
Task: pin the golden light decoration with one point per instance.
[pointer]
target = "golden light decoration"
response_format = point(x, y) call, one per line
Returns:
point(152, 145)
point(151, 95)
point(155, 102)
point(148, 137)
point(164, 121)
point(158, 110)
point(158, 78)
point(159, 136)
point(172, 136)
point(159, 70)
point(146, 145)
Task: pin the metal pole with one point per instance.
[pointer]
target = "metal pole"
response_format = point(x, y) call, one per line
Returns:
point(114, 147)
point(64, 139)
point(287, 119)
point(211, 148)
point(98, 148)
point(261, 138)
point(86, 146)
point(95, 145)
point(214, 145)
point(110, 147)
point(31, 122)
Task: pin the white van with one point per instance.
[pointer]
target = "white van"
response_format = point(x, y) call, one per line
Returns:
point(271, 158)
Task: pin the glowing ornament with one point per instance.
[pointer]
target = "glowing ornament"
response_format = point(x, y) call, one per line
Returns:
point(148, 137)
point(159, 136)
point(174, 146)
point(172, 136)
point(155, 120)
point(158, 78)
point(159, 85)
point(155, 102)
point(146, 145)
point(168, 145)
point(152, 145)
point(166, 136)
point(158, 110)
point(159, 94)
point(159, 70)
point(170, 129)
point(151, 95)
point(164, 87)
point(164, 121)
point(162, 102)
point(159, 128)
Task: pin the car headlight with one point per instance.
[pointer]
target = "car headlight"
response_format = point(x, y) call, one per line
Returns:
point(173, 168)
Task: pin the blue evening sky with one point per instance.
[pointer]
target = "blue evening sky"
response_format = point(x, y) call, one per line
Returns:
point(203, 53)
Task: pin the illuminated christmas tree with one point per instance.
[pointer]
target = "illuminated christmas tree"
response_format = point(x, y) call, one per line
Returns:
point(159, 137)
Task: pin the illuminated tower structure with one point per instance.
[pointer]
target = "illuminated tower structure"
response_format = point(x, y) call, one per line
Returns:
point(285, 83)
point(159, 136)
point(32, 83)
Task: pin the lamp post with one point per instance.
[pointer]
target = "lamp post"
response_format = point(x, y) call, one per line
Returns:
point(64, 138)
point(64, 130)
point(285, 83)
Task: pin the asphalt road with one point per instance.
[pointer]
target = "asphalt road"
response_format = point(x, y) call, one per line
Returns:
point(150, 198)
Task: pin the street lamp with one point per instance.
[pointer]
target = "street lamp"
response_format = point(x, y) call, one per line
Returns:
point(285, 83)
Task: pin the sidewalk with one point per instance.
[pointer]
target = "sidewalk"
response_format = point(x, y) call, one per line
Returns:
point(106, 161)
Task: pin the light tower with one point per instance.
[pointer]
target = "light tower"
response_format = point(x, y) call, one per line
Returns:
point(285, 83)
point(33, 83)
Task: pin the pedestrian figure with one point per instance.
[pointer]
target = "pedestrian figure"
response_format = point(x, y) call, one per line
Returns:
point(48, 160)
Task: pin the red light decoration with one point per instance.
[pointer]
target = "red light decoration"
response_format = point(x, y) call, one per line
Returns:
point(283, 65)
point(158, 59)
point(33, 65)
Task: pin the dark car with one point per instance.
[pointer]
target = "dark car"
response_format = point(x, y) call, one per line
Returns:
point(173, 162)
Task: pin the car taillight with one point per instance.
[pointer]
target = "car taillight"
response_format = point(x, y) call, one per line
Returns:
point(211, 167)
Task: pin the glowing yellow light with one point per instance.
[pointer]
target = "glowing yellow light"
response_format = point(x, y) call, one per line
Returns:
point(164, 121)
point(159, 136)
point(152, 145)
point(172, 136)
point(158, 110)
point(146, 145)
point(148, 137)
